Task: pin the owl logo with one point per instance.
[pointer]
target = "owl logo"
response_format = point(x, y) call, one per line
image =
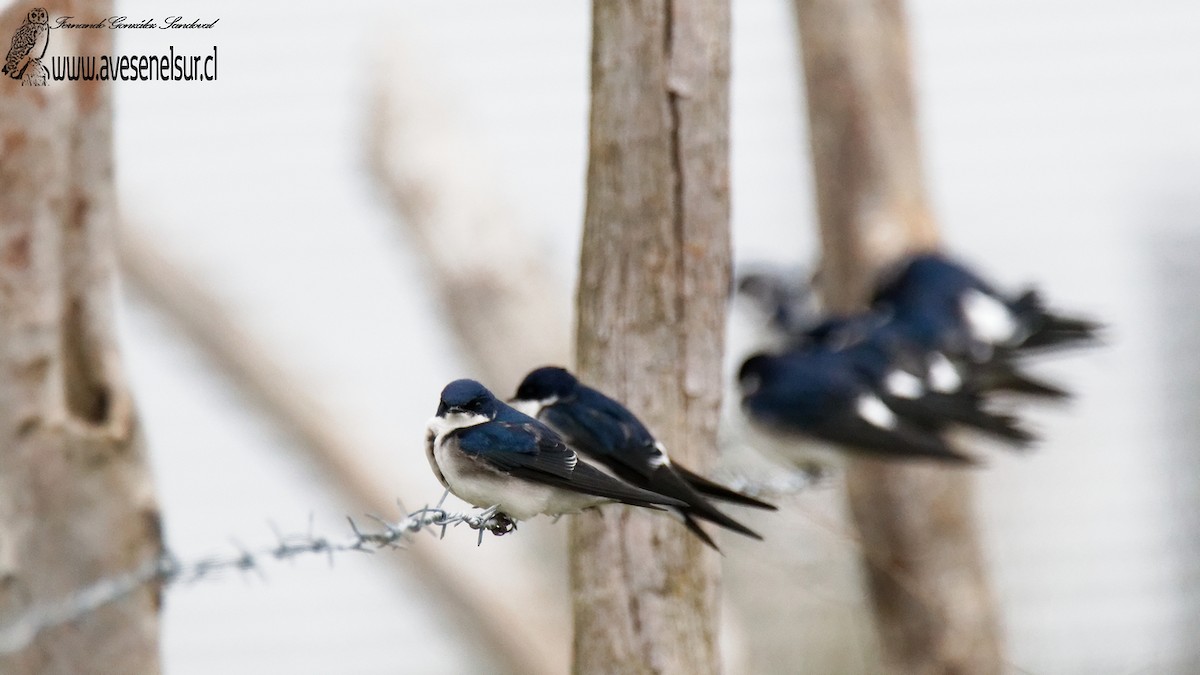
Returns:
point(24, 60)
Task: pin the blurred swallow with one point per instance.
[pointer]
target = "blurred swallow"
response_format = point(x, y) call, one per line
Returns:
point(920, 385)
point(950, 308)
point(936, 342)
point(784, 298)
point(824, 394)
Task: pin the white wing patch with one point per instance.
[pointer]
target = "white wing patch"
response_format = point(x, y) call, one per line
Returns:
point(943, 376)
point(875, 411)
point(903, 385)
point(661, 459)
point(989, 319)
point(572, 460)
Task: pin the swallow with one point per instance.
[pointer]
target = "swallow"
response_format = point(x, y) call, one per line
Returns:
point(607, 432)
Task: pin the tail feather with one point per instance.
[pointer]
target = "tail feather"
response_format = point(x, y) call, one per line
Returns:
point(690, 522)
point(904, 442)
point(1047, 329)
point(715, 490)
point(1004, 376)
point(666, 481)
point(588, 479)
point(936, 410)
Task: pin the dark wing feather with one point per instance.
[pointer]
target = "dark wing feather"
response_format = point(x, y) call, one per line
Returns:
point(593, 481)
point(607, 432)
point(851, 430)
point(530, 451)
point(508, 445)
point(933, 411)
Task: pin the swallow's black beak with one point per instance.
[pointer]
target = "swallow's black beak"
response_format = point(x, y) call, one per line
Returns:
point(442, 409)
point(452, 409)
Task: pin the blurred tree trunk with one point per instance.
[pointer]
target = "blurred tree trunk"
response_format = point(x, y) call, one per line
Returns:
point(933, 606)
point(76, 501)
point(654, 278)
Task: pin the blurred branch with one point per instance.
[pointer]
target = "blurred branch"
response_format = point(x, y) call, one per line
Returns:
point(17, 633)
point(274, 388)
point(498, 291)
point(933, 605)
point(502, 299)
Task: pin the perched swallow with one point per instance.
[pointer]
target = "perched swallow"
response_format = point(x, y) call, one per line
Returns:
point(948, 307)
point(489, 454)
point(824, 394)
point(608, 433)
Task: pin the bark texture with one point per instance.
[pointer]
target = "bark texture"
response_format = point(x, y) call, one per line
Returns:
point(76, 501)
point(933, 605)
point(654, 278)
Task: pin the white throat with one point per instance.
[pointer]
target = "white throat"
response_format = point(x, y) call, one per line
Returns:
point(440, 426)
point(533, 408)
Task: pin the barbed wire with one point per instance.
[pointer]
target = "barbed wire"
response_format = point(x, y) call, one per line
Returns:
point(168, 570)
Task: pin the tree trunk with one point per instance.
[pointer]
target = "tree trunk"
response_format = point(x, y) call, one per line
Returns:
point(933, 606)
point(76, 501)
point(654, 278)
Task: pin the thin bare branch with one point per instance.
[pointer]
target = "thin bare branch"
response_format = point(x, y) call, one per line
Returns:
point(499, 293)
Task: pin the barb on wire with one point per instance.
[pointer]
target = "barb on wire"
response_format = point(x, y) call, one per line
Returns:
point(18, 632)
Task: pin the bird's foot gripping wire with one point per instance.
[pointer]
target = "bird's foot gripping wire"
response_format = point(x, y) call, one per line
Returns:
point(501, 524)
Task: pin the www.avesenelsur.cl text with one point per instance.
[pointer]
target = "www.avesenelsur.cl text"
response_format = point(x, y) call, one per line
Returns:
point(167, 67)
